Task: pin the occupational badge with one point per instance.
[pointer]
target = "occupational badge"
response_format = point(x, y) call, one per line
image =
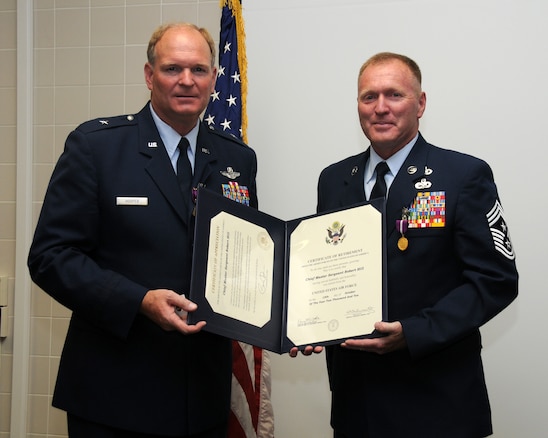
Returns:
point(230, 173)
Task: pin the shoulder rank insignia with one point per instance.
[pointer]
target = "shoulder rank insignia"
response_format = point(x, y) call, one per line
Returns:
point(499, 231)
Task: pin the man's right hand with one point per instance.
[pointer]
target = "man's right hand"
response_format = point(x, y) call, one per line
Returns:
point(169, 310)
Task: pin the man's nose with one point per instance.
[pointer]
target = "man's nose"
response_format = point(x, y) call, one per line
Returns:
point(381, 105)
point(185, 77)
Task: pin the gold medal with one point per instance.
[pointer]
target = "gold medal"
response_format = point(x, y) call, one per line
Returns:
point(401, 226)
point(403, 243)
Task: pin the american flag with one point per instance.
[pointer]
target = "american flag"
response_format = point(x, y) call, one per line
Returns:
point(226, 109)
point(251, 413)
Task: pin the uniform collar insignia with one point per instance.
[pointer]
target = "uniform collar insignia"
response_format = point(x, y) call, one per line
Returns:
point(411, 170)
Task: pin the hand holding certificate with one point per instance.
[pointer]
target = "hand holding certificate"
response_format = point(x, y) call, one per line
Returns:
point(274, 284)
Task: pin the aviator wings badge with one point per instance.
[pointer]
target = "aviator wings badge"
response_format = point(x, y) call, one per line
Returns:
point(230, 173)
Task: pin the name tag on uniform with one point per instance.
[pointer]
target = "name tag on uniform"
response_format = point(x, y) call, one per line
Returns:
point(131, 200)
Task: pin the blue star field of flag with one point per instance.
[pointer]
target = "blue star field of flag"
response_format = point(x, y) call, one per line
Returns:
point(224, 111)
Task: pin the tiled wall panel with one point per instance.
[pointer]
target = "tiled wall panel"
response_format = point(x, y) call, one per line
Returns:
point(8, 156)
point(88, 62)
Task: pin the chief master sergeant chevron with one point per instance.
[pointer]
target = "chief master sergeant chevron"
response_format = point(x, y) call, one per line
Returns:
point(114, 245)
point(450, 269)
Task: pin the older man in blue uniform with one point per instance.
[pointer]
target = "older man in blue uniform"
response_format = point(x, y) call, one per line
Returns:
point(114, 245)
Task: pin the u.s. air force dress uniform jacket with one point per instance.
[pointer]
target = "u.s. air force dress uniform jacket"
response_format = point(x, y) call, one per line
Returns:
point(453, 277)
point(114, 225)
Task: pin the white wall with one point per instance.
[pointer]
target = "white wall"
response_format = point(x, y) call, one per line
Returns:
point(484, 65)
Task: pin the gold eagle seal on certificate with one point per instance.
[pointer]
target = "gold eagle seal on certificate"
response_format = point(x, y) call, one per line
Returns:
point(335, 233)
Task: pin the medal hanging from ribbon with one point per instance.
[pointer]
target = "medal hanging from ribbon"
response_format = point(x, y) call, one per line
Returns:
point(401, 226)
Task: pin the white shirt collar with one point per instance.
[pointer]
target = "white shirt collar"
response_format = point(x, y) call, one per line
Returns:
point(394, 164)
point(171, 138)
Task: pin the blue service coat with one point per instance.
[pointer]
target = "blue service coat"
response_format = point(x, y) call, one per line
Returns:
point(99, 256)
point(449, 281)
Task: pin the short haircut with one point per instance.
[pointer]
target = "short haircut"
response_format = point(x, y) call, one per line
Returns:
point(160, 31)
point(382, 57)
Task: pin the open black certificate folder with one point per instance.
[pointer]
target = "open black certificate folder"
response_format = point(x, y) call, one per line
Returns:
point(276, 284)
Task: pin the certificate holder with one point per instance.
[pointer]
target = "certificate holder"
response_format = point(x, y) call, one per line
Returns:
point(316, 280)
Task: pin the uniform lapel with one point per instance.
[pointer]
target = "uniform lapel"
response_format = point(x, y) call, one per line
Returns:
point(204, 158)
point(159, 166)
point(354, 190)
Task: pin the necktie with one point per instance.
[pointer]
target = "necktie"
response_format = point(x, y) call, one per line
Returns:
point(379, 189)
point(184, 171)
